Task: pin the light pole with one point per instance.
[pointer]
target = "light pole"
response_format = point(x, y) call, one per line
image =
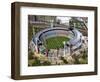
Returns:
point(64, 48)
point(51, 25)
point(36, 45)
point(70, 49)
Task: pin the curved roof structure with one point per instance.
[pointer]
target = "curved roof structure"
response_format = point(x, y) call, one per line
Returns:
point(75, 40)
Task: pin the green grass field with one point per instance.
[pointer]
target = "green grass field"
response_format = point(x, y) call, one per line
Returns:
point(55, 42)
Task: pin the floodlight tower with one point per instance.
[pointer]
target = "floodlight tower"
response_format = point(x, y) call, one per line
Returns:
point(36, 47)
point(51, 23)
point(64, 48)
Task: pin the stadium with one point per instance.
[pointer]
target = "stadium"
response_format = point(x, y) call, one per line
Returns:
point(70, 37)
